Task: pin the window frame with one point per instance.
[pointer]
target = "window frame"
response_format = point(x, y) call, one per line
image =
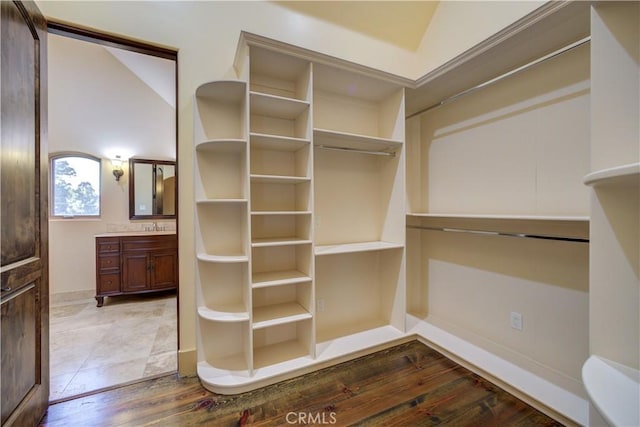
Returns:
point(52, 175)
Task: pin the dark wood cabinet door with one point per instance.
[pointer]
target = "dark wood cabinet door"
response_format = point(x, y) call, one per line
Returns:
point(24, 299)
point(135, 272)
point(164, 270)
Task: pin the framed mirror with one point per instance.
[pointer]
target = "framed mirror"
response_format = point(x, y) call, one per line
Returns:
point(152, 189)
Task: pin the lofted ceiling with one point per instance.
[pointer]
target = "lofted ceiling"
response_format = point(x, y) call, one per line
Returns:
point(402, 23)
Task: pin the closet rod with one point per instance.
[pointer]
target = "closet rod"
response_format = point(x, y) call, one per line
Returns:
point(502, 234)
point(504, 76)
point(356, 150)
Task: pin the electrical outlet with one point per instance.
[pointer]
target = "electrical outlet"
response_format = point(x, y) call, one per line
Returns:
point(516, 320)
point(319, 305)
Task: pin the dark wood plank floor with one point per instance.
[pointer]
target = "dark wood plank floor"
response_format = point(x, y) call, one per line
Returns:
point(407, 385)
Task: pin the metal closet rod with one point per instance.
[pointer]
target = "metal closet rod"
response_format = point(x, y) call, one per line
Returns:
point(357, 150)
point(502, 234)
point(504, 76)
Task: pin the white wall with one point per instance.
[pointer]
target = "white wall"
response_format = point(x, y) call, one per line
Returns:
point(97, 106)
point(206, 34)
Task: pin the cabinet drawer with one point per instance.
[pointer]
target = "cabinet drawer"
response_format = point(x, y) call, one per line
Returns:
point(106, 246)
point(109, 262)
point(108, 283)
point(135, 244)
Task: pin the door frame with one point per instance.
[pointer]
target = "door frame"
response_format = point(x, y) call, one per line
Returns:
point(111, 40)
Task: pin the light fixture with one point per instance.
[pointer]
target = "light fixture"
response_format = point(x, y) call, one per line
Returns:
point(117, 167)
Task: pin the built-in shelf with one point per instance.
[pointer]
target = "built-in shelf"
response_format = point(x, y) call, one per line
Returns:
point(223, 145)
point(279, 241)
point(226, 371)
point(623, 175)
point(350, 141)
point(356, 247)
point(614, 389)
point(278, 314)
point(215, 201)
point(232, 313)
point(500, 217)
point(222, 258)
point(277, 142)
point(271, 359)
point(279, 278)
point(279, 179)
point(276, 106)
point(280, 212)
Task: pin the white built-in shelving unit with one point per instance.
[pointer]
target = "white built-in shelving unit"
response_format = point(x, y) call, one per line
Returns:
point(337, 214)
point(611, 374)
point(300, 216)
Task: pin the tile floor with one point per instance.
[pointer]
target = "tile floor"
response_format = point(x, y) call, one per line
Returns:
point(129, 338)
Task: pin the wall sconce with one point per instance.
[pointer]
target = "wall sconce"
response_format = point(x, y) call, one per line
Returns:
point(117, 167)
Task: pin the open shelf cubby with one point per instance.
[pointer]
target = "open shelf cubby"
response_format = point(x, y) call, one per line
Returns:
point(345, 102)
point(223, 229)
point(221, 170)
point(279, 344)
point(223, 294)
point(220, 111)
point(275, 162)
point(359, 291)
point(234, 355)
point(267, 229)
point(358, 198)
point(277, 305)
point(278, 74)
point(280, 195)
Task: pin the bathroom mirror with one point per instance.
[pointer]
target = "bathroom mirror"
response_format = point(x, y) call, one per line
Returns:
point(152, 189)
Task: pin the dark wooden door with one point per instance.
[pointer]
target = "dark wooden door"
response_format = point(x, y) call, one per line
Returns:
point(24, 299)
point(135, 272)
point(164, 270)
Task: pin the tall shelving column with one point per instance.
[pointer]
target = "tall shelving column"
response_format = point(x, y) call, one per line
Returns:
point(612, 373)
point(281, 209)
point(359, 210)
point(222, 235)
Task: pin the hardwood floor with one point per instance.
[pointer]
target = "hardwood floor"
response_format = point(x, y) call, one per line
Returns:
point(407, 385)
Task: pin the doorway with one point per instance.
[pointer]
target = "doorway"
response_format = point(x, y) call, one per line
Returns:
point(108, 98)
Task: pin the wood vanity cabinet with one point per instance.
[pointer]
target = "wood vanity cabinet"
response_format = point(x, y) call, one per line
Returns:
point(128, 265)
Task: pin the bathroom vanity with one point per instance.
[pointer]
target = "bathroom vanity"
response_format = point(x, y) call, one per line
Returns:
point(135, 263)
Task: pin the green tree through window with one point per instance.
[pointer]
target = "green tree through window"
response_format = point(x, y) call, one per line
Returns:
point(75, 188)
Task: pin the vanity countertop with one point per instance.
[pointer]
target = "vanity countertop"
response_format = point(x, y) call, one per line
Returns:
point(136, 233)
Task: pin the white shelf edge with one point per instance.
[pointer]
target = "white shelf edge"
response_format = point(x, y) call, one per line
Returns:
point(222, 258)
point(230, 315)
point(279, 179)
point(334, 134)
point(274, 138)
point(212, 86)
point(279, 314)
point(223, 143)
point(215, 201)
point(614, 389)
point(278, 98)
point(279, 278)
point(276, 106)
point(280, 212)
point(355, 247)
point(500, 217)
point(613, 174)
point(289, 241)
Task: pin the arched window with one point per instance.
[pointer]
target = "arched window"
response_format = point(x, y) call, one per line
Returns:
point(75, 185)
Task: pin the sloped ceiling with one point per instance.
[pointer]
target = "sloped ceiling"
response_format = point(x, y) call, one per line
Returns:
point(157, 73)
point(402, 23)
